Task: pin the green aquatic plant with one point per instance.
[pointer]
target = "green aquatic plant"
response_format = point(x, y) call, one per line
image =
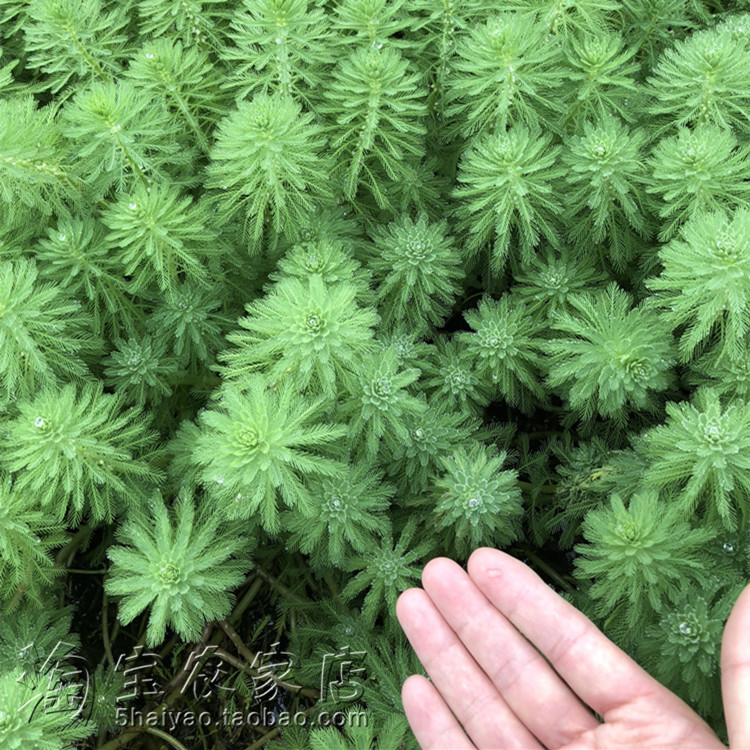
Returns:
point(296, 295)
point(181, 565)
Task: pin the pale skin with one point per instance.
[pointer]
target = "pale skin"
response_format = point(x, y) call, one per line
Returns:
point(490, 688)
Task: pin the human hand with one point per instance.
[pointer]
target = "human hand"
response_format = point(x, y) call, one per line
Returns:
point(487, 678)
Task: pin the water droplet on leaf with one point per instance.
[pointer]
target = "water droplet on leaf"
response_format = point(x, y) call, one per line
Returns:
point(686, 629)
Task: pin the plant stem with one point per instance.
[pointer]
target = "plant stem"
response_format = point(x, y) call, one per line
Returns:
point(112, 638)
point(244, 651)
point(308, 692)
point(166, 737)
point(121, 740)
point(75, 542)
point(536, 435)
point(105, 631)
point(283, 590)
point(273, 733)
point(246, 601)
point(547, 489)
point(549, 570)
point(252, 658)
point(332, 586)
point(130, 734)
point(177, 683)
point(204, 381)
point(81, 572)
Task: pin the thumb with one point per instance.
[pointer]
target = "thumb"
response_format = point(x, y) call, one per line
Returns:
point(735, 673)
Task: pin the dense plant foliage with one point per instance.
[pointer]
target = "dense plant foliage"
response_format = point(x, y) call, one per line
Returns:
point(297, 294)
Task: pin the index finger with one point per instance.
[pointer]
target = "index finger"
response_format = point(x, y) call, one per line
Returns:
point(602, 675)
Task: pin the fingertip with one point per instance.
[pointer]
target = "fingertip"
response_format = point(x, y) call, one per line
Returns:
point(411, 688)
point(437, 569)
point(409, 601)
point(487, 562)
